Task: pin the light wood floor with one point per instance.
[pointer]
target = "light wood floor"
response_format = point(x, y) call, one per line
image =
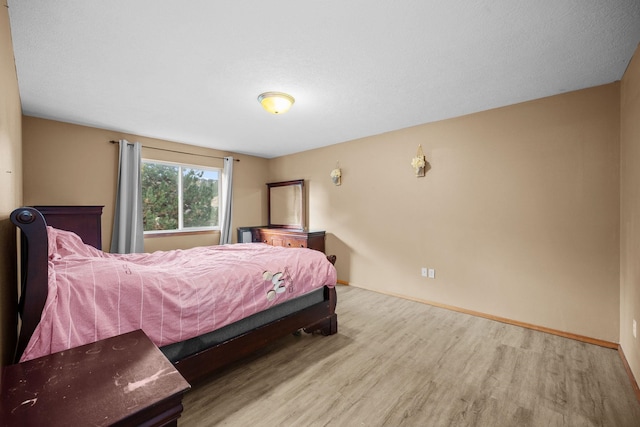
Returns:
point(401, 363)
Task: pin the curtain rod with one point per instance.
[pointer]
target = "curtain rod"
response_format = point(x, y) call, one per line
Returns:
point(179, 152)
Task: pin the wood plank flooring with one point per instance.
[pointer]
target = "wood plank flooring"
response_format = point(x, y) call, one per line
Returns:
point(396, 362)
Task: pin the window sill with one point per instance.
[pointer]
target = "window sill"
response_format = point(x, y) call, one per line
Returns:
point(180, 233)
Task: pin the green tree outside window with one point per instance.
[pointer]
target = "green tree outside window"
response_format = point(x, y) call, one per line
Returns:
point(165, 185)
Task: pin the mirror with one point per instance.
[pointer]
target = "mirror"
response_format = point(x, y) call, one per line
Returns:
point(286, 204)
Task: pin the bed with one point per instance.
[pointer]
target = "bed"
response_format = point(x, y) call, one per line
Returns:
point(199, 353)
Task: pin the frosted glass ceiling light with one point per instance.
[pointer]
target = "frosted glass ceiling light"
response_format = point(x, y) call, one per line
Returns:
point(276, 102)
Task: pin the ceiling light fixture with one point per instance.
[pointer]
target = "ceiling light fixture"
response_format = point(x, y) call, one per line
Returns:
point(276, 102)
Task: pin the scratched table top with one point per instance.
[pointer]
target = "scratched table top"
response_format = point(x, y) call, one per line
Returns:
point(103, 383)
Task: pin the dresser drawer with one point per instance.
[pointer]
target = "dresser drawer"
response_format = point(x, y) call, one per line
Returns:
point(295, 242)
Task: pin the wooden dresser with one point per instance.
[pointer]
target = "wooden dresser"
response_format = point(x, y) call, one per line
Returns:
point(85, 221)
point(286, 237)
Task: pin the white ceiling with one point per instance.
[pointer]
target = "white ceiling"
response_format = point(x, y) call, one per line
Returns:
point(191, 71)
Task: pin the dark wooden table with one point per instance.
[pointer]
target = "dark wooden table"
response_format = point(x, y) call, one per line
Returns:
point(124, 380)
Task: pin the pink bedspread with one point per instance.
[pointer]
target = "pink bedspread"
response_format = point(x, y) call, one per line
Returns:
point(172, 296)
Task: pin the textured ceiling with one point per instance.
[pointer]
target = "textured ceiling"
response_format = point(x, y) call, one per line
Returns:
point(191, 71)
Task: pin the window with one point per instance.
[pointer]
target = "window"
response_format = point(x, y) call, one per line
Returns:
point(179, 197)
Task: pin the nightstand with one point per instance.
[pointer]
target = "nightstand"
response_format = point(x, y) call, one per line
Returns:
point(124, 381)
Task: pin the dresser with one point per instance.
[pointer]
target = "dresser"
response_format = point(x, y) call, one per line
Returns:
point(290, 238)
point(85, 221)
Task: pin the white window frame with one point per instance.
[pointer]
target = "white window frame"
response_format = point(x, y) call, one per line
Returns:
point(181, 166)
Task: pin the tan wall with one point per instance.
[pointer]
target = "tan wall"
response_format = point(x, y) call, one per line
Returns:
point(518, 215)
point(75, 165)
point(630, 213)
point(10, 186)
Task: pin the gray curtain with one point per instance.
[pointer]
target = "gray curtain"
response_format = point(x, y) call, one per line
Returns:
point(127, 222)
point(225, 201)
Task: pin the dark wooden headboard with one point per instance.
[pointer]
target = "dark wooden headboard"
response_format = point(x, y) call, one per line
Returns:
point(85, 221)
point(82, 220)
point(33, 258)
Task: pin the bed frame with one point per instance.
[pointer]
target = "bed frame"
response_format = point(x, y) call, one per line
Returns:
point(317, 318)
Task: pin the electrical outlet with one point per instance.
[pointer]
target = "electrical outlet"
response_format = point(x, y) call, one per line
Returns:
point(424, 271)
point(634, 329)
point(432, 273)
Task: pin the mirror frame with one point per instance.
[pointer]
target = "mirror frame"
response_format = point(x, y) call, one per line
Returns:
point(273, 187)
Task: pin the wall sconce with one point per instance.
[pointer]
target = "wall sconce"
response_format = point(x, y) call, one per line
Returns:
point(276, 102)
point(419, 162)
point(336, 175)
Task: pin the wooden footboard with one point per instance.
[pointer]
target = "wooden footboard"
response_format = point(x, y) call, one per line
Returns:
point(320, 317)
